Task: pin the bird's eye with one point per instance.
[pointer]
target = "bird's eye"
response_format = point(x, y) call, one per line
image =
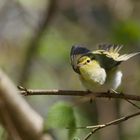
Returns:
point(88, 61)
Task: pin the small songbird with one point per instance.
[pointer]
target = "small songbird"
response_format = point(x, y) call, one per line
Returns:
point(99, 69)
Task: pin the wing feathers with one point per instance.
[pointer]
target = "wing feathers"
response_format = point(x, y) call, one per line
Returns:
point(110, 47)
point(126, 56)
point(112, 51)
point(107, 54)
point(76, 52)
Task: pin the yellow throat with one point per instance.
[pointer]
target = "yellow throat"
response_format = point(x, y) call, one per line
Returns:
point(90, 71)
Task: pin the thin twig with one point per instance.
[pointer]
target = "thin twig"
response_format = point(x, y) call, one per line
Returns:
point(133, 104)
point(29, 92)
point(138, 107)
point(114, 122)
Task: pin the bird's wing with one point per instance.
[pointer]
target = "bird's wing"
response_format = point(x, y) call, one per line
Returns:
point(109, 57)
point(110, 47)
point(112, 51)
point(76, 52)
point(125, 57)
point(107, 54)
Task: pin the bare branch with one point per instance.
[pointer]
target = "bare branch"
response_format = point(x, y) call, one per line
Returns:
point(33, 45)
point(133, 104)
point(24, 121)
point(95, 128)
point(7, 122)
point(29, 92)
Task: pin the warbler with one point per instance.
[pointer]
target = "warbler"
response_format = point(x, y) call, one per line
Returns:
point(98, 69)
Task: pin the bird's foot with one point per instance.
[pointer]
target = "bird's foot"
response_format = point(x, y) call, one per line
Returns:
point(112, 91)
point(89, 91)
point(90, 99)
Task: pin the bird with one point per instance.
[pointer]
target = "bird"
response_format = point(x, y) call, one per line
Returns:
point(99, 69)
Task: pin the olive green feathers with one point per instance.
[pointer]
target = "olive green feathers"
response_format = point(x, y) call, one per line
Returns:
point(107, 55)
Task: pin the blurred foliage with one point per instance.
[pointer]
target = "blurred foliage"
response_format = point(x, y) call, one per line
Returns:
point(61, 115)
point(126, 32)
point(3, 133)
point(71, 22)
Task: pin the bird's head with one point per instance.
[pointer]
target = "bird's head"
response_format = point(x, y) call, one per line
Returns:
point(87, 62)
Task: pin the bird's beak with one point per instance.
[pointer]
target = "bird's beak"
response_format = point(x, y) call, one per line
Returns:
point(79, 65)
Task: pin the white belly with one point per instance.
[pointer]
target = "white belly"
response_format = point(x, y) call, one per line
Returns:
point(112, 81)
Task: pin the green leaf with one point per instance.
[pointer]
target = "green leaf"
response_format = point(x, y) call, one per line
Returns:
point(61, 115)
point(126, 32)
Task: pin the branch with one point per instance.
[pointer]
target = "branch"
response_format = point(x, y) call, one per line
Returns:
point(6, 121)
point(95, 128)
point(29, 92)
point(18, 118)
point(34, 44)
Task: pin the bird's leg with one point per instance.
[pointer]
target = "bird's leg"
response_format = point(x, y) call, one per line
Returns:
point(111, 91)
point(114, 91)
point(90, 100)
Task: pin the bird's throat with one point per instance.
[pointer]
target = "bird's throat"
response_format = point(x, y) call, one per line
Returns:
point(93, 74)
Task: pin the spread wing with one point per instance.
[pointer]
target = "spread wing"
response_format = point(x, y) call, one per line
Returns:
point(109, 57)
point(107, 54)
point(76, 52)
point(112, 51)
